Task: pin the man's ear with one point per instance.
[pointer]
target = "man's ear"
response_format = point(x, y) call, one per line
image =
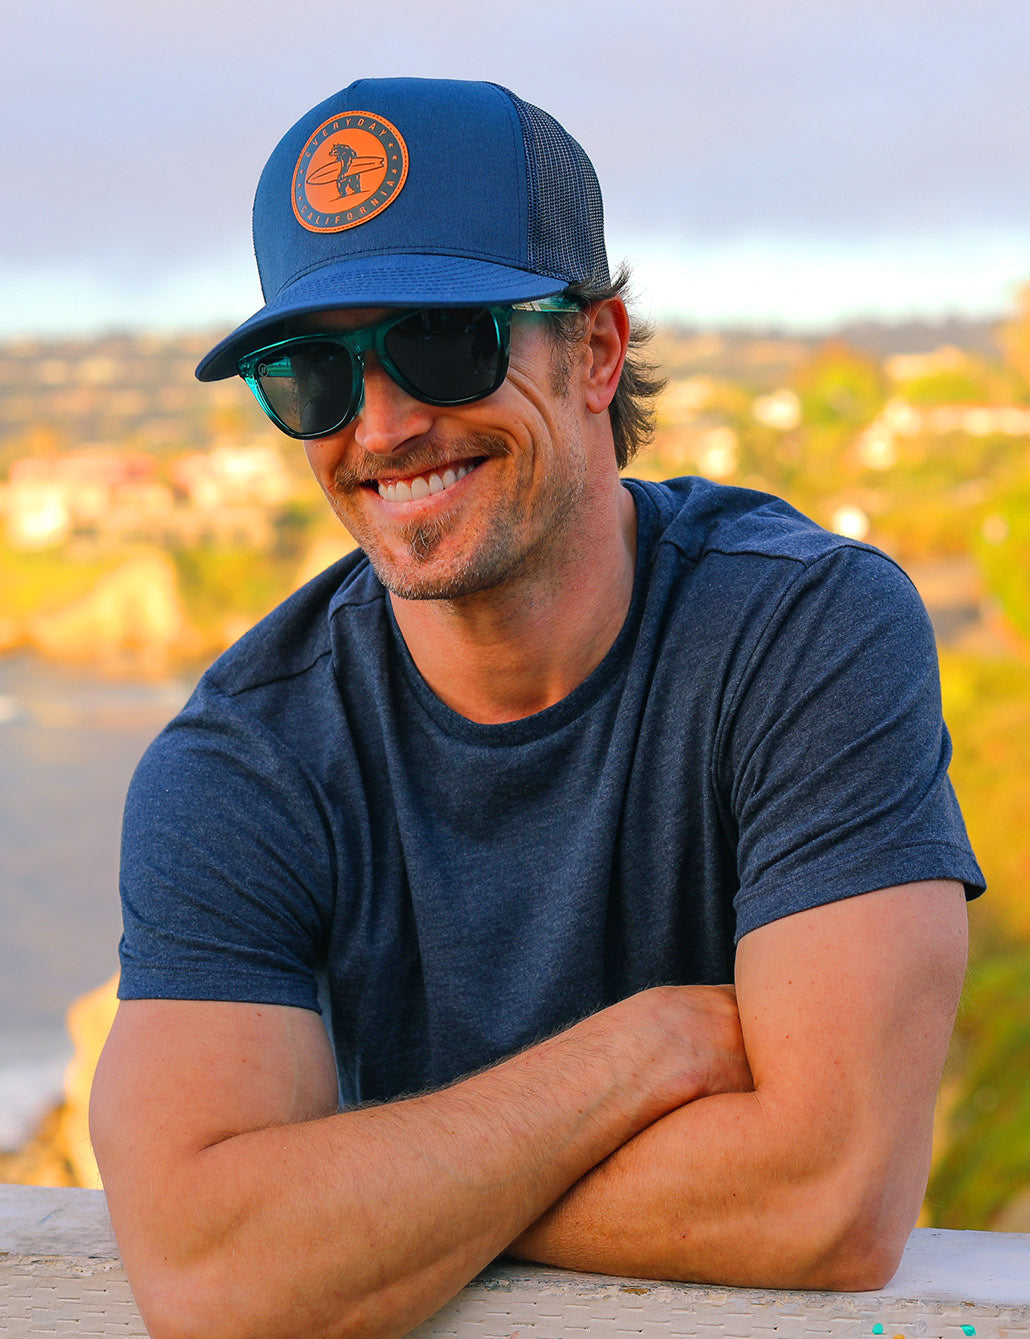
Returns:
point(608, 343)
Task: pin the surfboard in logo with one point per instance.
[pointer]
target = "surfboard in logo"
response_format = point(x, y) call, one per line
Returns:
point(349, 170)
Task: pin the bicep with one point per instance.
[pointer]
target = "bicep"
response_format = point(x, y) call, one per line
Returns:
point(177, 1076)
point(846, 1012)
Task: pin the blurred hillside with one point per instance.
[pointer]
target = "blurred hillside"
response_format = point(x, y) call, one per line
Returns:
point(146, 520)
point(923, 451)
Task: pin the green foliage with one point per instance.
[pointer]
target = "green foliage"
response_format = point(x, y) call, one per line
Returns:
point(987, 1160)
point(1014, 337)
point(949, 386)
point(37, 581)
point(987, 708)
point(227, 587)
point(296, 522)
point(839, 387)
point(1003, 551)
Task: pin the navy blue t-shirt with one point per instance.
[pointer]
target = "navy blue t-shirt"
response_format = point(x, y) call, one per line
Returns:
point(764, 736)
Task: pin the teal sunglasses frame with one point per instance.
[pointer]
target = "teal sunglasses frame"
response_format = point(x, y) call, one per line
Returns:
point(272, 360)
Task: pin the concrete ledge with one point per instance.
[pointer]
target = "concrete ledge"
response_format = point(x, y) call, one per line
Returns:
point(60, 1274)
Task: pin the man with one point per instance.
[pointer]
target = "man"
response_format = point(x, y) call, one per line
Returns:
point(515, 792)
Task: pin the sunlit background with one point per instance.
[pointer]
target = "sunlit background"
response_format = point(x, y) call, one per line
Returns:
point(827, 210)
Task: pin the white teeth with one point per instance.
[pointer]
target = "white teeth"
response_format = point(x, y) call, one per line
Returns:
point(402, 490)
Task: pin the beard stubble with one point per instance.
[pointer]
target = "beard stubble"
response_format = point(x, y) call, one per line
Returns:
point(487, 565)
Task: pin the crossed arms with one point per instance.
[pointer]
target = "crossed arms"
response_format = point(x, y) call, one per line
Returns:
point(779, 1137)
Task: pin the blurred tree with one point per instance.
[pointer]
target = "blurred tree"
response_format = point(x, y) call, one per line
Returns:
point(839, 392)
point(985, 1169)
point(1003, 552)
point(1014, 336)
point(839, 387)
point(982, 1175)
point(227, 589)
point(972, 383)
point(987, 708)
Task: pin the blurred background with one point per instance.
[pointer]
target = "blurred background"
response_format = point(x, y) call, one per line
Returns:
point(827, 211)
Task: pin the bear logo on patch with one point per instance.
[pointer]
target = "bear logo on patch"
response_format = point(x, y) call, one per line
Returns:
point(350, 169)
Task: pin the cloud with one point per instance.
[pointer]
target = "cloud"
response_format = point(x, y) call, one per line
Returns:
point(134, 134)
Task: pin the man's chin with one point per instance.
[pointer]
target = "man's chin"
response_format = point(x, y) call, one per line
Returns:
point(429, 582)
point(427, 572)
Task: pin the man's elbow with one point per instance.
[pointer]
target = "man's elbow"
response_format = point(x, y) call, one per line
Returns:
point(858, 1264)
point(815, 1234)
point(186, 1305)
point(178, 1304)
point(853, 1248)
point(223, 1297)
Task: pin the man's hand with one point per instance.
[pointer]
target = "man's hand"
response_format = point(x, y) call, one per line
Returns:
point(815, 1178)
point(243, 1205)
point(699, 1027)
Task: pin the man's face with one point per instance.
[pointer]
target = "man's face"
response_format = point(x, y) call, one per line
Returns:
point(451, 501)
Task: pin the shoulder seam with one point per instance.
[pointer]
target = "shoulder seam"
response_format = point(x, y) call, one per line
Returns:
point(277, 678)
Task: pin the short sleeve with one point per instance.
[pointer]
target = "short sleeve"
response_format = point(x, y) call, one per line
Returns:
point(834, 752)
point(227, 871)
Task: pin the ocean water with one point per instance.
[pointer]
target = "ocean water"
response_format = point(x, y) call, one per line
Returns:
point(68, 747)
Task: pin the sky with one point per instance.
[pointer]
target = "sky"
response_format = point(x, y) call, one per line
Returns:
point(764, 162)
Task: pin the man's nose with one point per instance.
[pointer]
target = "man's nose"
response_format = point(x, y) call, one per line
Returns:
point(389, 417)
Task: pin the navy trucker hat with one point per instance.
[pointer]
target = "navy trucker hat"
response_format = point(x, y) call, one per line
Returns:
point(418, 192)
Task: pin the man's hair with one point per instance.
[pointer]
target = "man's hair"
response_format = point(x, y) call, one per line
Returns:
point(632, 411)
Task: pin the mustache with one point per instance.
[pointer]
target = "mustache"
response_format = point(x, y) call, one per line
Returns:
point(422, 458)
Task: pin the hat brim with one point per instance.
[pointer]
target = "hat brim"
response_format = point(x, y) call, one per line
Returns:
point(381, 281)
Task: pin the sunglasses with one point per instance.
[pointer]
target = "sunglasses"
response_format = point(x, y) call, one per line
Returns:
point(313, 385)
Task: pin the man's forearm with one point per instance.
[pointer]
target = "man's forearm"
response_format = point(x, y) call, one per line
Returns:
point(368, 1221)
point(722, 1191)
point(815, 1178)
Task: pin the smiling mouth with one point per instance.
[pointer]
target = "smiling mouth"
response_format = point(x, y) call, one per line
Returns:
point(417, 486)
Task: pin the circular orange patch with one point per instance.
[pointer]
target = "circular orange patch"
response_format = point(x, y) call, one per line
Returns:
point(350, 169)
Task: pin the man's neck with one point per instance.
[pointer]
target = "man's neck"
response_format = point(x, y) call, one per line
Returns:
point(507, 653)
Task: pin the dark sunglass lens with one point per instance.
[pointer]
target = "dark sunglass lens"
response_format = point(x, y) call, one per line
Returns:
point(447, 356)
point(312, 387)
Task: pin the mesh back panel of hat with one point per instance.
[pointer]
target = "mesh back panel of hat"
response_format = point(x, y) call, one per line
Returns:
point(566, 216)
